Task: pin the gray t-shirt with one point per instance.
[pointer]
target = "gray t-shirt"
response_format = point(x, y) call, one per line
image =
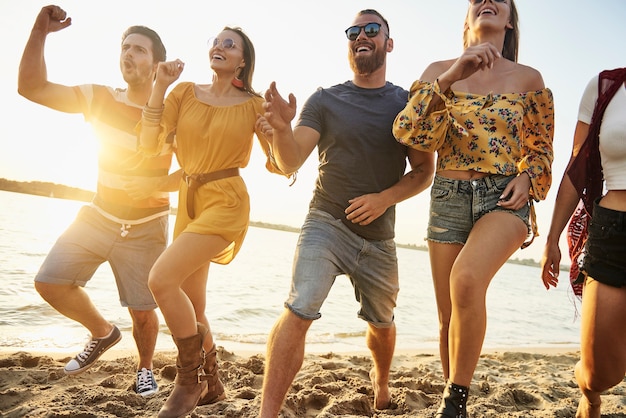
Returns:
point(357, 151)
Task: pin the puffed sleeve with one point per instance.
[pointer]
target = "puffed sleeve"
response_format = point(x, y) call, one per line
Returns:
point(538, 134)
point(420, 130)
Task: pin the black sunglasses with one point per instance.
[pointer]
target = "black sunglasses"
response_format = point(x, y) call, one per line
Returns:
point(480, 1)
point(371, 30)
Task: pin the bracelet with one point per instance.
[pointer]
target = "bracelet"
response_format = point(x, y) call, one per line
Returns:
point(152, 115)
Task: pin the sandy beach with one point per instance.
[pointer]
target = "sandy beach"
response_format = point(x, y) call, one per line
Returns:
point(528, 383)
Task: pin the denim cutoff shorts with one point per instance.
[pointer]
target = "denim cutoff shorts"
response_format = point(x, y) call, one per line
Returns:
point(92, 240)
point(456, 205)
point(326, 249)
point(605, 250)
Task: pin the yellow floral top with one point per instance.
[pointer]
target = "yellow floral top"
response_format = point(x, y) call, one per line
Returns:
point(498, 133)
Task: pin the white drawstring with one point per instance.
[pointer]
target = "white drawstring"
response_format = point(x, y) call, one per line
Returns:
point(124, 230)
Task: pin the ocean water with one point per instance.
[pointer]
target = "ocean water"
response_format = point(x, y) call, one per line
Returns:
point(246, 297)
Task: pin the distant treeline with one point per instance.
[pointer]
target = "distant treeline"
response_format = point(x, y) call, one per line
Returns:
point(41, 188)
point(60, 191)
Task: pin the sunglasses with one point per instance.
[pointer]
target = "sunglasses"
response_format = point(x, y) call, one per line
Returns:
point(475, 2)
point(371, 30)
point(226, 43)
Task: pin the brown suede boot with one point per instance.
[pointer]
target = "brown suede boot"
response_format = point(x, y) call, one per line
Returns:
point(211, 375)
point(189, 385)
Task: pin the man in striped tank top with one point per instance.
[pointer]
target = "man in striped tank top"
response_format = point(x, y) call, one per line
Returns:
point(126, 224)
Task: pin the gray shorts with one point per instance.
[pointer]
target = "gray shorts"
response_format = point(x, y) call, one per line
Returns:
point(456, 205)
point(327, 248)
point(93, 239)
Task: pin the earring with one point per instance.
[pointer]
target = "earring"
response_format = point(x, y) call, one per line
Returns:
point(237, 82)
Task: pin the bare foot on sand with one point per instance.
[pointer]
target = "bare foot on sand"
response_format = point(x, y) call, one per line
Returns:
point(382, 397)
point(586, 409)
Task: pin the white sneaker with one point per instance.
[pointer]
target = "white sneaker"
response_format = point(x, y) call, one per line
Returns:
point(146, 385)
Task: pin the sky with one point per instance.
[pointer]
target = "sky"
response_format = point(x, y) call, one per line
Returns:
point(301, 46)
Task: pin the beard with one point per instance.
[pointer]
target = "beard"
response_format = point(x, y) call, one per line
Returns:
point(137, 73)
point(365, 65)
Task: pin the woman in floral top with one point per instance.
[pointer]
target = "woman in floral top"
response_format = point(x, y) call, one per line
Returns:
point(491, 122)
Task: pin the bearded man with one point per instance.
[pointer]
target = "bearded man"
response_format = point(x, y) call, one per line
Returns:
point(349, 229)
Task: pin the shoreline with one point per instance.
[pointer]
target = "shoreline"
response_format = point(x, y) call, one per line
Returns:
point(61, 191)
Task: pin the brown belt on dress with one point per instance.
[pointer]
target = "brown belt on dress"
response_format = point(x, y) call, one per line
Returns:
point(196, 180)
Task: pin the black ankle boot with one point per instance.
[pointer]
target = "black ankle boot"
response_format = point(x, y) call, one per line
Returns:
point(453, 404)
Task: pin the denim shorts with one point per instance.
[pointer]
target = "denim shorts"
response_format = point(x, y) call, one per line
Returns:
point(456, 205)
point(326, 249)
point(605, 250)
point(92, 240)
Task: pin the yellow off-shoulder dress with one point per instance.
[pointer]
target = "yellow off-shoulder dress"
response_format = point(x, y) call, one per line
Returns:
point(211, 138)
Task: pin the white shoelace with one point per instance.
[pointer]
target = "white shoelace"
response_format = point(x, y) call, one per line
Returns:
point(144, 379)
point(87, 351)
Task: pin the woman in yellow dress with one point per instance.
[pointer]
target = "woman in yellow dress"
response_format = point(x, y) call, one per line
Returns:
point(212, 126)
